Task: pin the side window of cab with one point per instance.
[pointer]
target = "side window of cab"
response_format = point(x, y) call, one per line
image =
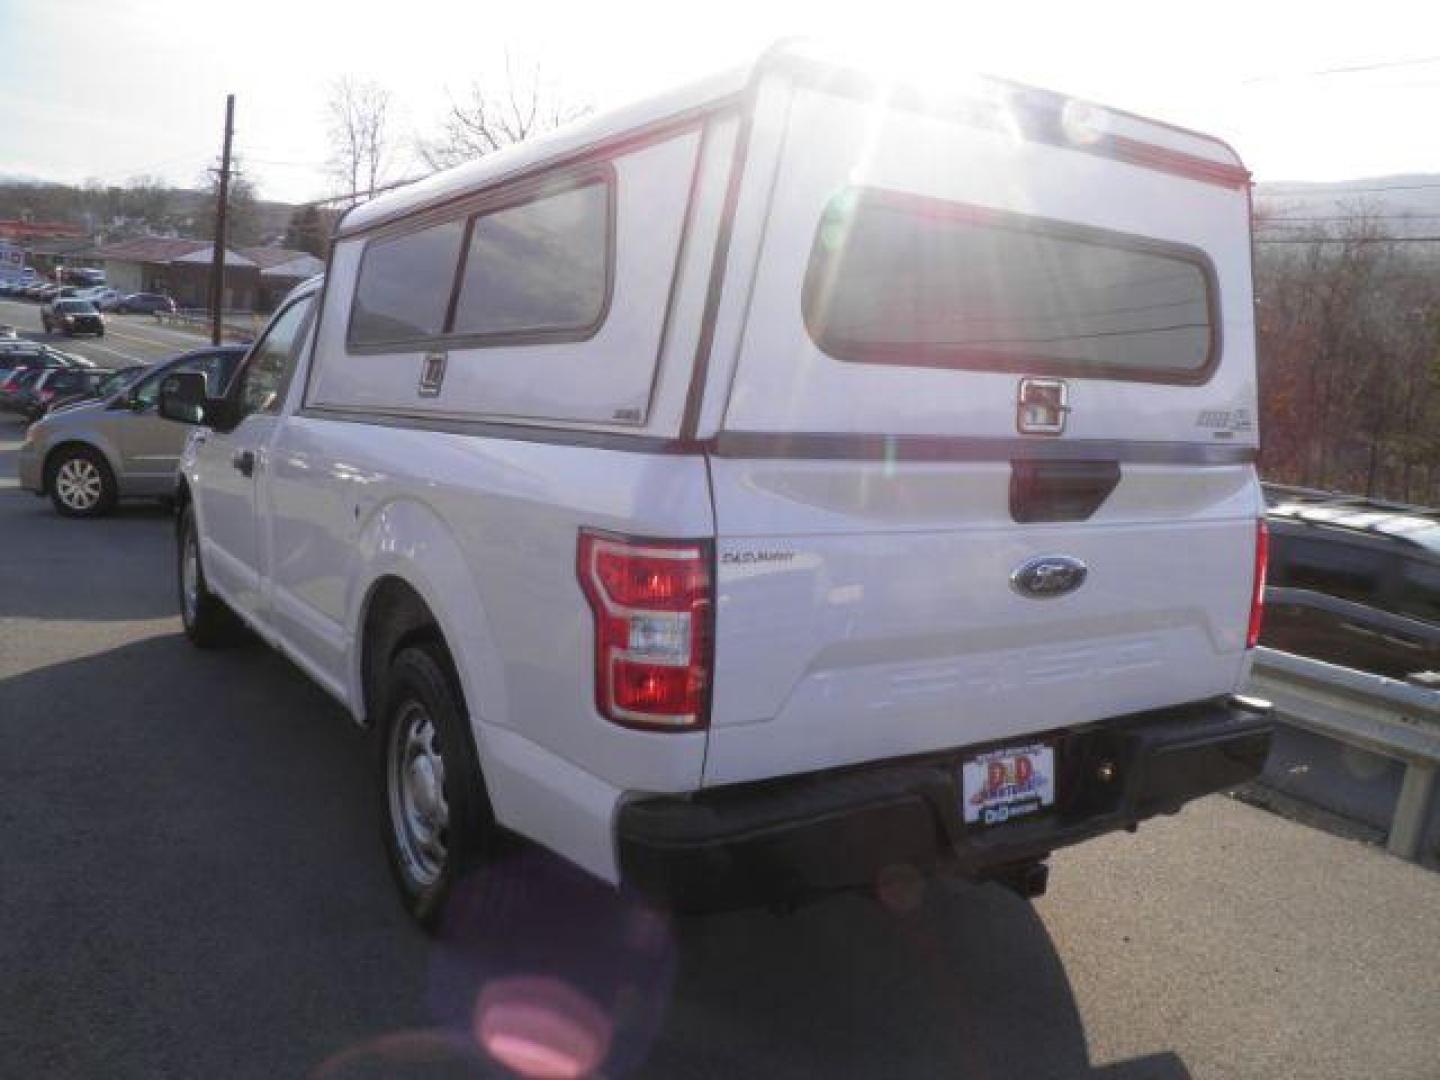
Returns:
point(271, 363)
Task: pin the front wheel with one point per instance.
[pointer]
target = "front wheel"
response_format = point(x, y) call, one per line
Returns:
point(437, 820)
point(207, 620)
point(80, 483)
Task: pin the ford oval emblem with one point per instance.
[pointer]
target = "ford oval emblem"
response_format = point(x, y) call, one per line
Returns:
point(1048, 576)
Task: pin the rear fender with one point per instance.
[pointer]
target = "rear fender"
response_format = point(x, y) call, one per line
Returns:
point(408, 540)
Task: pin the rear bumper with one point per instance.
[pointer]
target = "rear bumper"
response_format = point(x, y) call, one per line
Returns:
point(779, 839)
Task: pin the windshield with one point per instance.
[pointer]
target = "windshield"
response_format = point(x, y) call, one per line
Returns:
point(75, 307)
point(117, 381)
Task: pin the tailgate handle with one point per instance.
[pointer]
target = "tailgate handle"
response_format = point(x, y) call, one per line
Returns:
point(1060, 490)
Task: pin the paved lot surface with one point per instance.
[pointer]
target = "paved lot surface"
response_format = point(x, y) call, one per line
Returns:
point(129, 339)
point(191, 885)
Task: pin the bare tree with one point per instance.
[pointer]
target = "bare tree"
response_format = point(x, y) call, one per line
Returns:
point(1349, 336)
point(359, 114)
point(495, 114)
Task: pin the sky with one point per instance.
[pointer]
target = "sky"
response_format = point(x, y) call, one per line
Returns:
point(110, 89)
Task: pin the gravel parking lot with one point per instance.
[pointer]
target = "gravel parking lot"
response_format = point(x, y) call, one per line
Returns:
point(192, 885)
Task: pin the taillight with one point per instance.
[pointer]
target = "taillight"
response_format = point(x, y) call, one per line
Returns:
point(1257, 594)
point(652, 604)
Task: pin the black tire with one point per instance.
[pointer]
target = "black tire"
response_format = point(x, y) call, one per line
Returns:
point(80, 482)
point(422, 707)
point(208, 620)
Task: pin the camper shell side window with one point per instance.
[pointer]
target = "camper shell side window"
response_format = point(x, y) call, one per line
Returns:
point(896, 278)
point(522, 267)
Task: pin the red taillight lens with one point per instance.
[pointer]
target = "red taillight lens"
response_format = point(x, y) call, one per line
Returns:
point(1257, 595)
point(652, 605)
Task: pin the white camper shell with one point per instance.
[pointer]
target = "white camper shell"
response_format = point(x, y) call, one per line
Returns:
point(802, 473)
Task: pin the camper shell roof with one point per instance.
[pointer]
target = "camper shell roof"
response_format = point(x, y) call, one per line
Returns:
point(1032, 113)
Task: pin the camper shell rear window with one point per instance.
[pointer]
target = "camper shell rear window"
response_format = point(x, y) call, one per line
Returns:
point(902, 279)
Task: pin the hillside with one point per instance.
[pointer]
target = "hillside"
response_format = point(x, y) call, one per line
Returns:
point(116, 213)
point(1405, 204)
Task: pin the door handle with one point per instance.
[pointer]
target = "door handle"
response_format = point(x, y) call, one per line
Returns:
point(244, 460)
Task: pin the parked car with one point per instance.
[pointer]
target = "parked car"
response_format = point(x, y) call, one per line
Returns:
point(16, 389)
point(102, 296)
point(1354, 581)
point(87, 456)
point(55, 387)
point(8, 332)
point(110, 382)
point(45, 293)
point(685, 493)
point(16, 373)
point(145, 303)
point(73, 317)
point(25, 353)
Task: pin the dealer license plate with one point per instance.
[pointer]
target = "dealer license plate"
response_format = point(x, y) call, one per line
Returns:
point(1006, 784)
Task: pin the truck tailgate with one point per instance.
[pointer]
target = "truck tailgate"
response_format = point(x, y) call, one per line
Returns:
point(866, 610)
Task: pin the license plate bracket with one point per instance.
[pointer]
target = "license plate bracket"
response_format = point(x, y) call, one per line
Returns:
point(1007, 783)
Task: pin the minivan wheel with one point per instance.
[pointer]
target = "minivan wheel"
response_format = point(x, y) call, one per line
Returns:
point(80, 483)
point(207, 620)
point(436, 815)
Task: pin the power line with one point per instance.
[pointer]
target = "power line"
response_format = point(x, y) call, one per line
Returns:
point(1351, 69)
point(1350, 218)
point(1323, 191)
point(362, 194)
point(1349, 240)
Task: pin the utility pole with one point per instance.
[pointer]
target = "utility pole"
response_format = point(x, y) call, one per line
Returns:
point(217, 266)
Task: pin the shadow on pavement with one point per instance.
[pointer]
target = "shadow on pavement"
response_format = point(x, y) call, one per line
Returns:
point(194, 885)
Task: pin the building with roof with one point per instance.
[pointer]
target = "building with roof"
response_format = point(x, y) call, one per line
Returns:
point(256, 279)
point(281, 269)
point(25, 231)
point(180, 269)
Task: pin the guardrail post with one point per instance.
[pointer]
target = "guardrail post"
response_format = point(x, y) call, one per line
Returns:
point(1412, 810)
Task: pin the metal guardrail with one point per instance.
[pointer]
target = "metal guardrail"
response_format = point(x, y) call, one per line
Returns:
point(1384, 716)
point(244, 325)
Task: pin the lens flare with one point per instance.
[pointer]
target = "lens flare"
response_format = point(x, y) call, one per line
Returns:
point(542, 1028)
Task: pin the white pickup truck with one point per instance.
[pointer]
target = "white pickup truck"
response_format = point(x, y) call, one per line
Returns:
point(789, 478)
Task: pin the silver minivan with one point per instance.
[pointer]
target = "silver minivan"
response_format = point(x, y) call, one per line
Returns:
point(86, 456)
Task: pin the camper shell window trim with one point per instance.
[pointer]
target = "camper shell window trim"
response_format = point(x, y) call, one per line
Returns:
point(959, 359)
point(474, 207)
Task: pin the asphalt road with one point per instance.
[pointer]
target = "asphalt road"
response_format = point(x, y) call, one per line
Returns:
point(191, 884)
point(129, 339)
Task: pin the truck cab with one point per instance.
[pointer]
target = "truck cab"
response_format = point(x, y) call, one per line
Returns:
point(793, 476)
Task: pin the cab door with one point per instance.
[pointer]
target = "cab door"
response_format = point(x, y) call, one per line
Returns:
point(150, 445)
point(231, 463)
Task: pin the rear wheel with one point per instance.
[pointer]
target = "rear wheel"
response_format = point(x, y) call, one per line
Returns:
point(80, 483)
point(207, 620)
point(436, 815)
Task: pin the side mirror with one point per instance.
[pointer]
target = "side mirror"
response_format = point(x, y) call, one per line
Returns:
point(182, 397)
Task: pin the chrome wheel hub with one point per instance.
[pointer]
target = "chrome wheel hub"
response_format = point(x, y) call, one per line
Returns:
point(78, 484)
point(415, 788)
